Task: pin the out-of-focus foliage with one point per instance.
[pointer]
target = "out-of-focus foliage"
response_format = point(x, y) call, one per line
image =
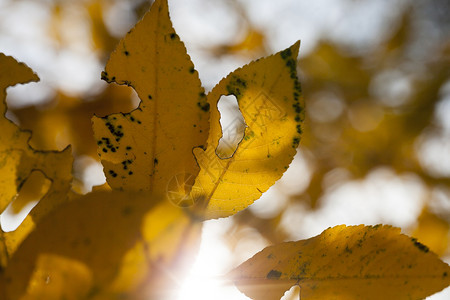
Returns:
point(134, 250)
point(370, 109)
point(26, 174)
point(365, 109)
point(120, 243)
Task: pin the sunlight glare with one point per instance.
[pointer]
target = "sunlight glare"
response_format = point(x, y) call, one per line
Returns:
point(206, 279)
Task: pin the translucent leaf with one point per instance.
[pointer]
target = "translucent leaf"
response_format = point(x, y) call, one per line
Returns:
point(357, 262)
point(18, 161)
point(105, 245)
point(149, 147)
point(269, 98)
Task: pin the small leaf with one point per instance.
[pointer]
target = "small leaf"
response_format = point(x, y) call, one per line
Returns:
point(18, 161)
point(113, 243)
point(152, 145)
point(356, 262)
point(269, 98)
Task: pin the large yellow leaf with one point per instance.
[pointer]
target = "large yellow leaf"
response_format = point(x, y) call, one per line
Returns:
point(24, 170)
point(269, 98)
point(105, 245)
point(357, 262)
point(149, 147)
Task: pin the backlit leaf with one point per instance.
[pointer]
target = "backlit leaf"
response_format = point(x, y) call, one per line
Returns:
point(356, 262)
point(269, 98)
point(18, 161)
point(149, 147)
point(104, 245)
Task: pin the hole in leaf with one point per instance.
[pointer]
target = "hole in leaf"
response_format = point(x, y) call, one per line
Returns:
point(292, 293)
point(32, 190)
point(233, 126)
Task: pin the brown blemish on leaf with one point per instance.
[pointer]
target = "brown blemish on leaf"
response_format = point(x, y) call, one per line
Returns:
point(104, 76)
point(419, 245)
point(236, 86)
point(273, 274)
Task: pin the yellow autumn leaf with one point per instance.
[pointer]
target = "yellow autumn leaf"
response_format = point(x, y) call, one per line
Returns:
point(26, 174)
point(355, 262)
point(152, 146)
point(269, 98)
point(105, 245)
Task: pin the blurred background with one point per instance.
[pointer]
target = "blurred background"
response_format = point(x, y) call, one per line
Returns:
point(376, 82)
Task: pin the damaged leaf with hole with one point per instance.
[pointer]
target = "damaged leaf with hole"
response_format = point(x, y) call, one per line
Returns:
point(153, 60)
point(269, 98)
point(18, 161)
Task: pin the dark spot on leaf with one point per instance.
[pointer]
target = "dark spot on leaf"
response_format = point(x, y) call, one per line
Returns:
point(191, 70)
point(241, 82)
point(150, 97)
point(291, 64)
point(126, 52)
point(128, 148)
point(113, 149)
point(236, 86)
point(298, 86)
point(299, 129)
point(286, 53)
point(295, 142)
point(445, 274)
point(173, 35)
point(155, 161)
point(99, 143)
point(112, 173)
point(104, 76)
point(130, 173)
point(297, 107)
point(105, 150)
point(273, 274)
point(127, 210)
point(419, 245)
point(131, 119)
point(203, 106)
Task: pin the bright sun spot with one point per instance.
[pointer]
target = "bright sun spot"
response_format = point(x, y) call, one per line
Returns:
point(206, 279)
